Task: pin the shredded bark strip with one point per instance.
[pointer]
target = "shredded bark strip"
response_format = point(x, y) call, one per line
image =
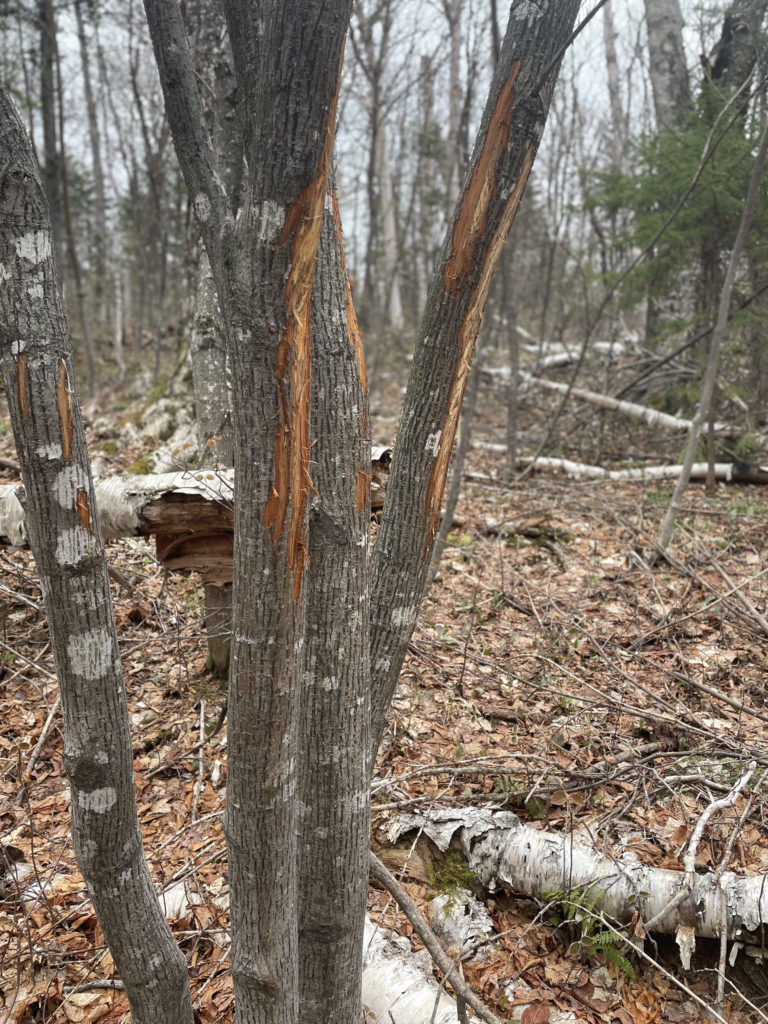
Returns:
point(292, 481)
point(472, 220)
point(21, 385)
point(64, 405)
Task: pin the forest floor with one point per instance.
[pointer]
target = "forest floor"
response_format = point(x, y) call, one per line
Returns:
point(554, 672)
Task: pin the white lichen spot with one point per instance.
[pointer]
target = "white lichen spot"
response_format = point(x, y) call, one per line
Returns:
point(328, 202)
point(99, 801)
point(202, 205)
point(433, 443)
point(101, 757)
point(35, 291)
point(321, 833)
point(330, 683)
point(527, 10)
point(5, 274)
point(34, 246)
point(52, 452)
point(270, 221)
point(18, 346)
point(68, 482)
point(382, 665)
point(402, 617)
point(91, 654)
point(73, 545)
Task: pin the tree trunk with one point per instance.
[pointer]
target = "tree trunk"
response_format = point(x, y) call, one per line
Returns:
point(36, 365)
point(51, 165)
point(504, 153)
point(334, 784)
point(669, 74)
point(100, 238)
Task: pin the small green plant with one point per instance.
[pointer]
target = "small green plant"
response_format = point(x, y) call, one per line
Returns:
point(451, 875)
point(578, 909)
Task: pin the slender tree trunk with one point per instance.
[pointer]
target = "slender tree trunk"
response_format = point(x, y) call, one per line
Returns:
point(669, 74)
point(513, 349)
point(36, 365)
point(334, 784)
point(511, 127)
point(74, 259)
point(101, 236)
point(468, 409)
point(207, 353)
point(718, 336)
point(51, 165)
point(394, 302)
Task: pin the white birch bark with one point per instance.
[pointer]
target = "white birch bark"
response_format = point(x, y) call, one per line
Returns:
point(506, 854)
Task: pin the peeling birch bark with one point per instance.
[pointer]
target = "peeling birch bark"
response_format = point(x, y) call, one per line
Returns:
point(652, 417)
point(506, 854)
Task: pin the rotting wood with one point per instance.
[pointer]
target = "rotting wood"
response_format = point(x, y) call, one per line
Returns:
point(189, 514)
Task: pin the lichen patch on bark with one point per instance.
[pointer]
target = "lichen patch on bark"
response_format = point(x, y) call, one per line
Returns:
point(292, 483)
point(472, 220)
point(468, 332)
point(21, 385)
point(64, 405)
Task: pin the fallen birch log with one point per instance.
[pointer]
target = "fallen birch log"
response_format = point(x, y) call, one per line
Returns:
point(652, 417)
point(503, 853)
point(728, 472)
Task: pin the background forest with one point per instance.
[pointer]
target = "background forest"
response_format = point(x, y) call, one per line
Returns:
point(591, 651)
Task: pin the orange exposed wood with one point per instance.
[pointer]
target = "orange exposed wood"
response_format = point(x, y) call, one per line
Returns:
point(472, 220)
point(292, 483)
point(83, 512)
point(468, 332)
point(353, 330)
point(363, 488)
point(21, 386)
point(64, 405)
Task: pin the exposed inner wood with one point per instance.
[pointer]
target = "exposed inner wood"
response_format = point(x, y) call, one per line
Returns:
point(64, 405)
point(21, 386)
point(472, 221)
point(292, 482)
point(83, 512)
point(468, 332)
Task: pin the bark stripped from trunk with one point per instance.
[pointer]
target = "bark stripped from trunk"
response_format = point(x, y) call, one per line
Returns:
point(68, 548)
point(509, 135)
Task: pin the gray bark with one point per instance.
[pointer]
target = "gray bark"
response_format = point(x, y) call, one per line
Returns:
point(207, 353)
point(669, 75)
point(511, 128)
point(51, 165)
point(35, 362)
point(334, 782)
point(287, 62)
